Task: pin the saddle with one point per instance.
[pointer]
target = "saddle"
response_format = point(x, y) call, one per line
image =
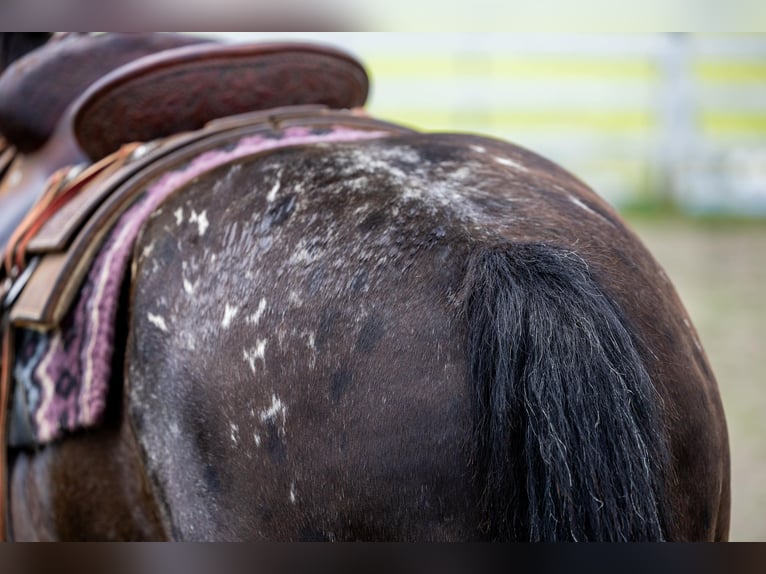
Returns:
point(124, 131)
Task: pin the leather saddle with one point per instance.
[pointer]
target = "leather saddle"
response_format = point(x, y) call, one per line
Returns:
point(143, 87)
point(130, 126)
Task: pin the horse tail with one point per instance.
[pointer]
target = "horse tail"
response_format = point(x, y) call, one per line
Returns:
point(569, 444)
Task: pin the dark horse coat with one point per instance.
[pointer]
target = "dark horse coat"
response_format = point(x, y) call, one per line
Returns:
point(423, 337)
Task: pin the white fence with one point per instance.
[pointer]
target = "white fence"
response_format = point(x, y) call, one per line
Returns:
point(638, 117)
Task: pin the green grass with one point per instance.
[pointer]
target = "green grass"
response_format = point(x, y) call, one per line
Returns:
point(652, 210)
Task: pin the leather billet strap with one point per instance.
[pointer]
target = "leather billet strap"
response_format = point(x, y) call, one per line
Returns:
point(60, 190)
point(9, 291)
point(7, 153)
point(5, 392)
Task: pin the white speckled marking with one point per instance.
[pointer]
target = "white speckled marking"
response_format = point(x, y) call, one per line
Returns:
point(147, 250)
point(255, 317)
point(510, 163)
point(188, 287)
point(292, 492)
point(257, 439)
point(157, 321)
point(272, 195)
point(697, 344)
point(478, 148)
point(295, 299)
point(255, 353)
point(201, 220)
point(228, 314)
point(581, 205)
point(234, 433)
point(277, 407)
point(179, 214)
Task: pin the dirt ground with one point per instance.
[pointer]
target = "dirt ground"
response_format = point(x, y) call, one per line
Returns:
point(719, 270)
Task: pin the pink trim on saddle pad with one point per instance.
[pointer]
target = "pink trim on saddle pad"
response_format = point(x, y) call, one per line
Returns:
point(67, 388)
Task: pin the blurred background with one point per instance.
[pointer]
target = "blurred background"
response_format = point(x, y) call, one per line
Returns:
point(670, 128)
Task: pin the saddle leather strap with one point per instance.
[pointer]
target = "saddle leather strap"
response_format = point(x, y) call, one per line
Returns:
point(58, 193)
point(5, 392)
point(7, 153)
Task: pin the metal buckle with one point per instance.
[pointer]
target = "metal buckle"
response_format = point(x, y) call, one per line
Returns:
point(5, 287)
point(11, 291)
point(142, 150)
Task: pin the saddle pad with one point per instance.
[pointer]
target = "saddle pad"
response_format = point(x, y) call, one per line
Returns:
point(62, 375)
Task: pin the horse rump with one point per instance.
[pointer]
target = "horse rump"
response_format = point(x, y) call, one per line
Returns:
point(569, 440)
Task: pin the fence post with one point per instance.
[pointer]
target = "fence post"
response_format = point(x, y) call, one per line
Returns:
point(677, 118)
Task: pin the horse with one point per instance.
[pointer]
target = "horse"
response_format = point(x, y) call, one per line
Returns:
point(357, 331)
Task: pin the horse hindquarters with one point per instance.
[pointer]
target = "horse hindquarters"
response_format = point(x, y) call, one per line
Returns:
point(560, 386)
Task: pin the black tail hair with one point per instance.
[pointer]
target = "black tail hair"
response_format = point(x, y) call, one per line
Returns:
point(568, 434)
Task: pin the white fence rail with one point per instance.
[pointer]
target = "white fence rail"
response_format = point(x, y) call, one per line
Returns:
point(638, 117)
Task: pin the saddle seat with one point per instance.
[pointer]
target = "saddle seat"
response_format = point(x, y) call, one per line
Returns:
point(36, 90)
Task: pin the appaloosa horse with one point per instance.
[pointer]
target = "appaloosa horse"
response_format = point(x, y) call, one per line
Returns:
point(347, 332)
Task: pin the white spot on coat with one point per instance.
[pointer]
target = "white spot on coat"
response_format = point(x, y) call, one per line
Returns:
point(179, 213)
point(276, 408)
point(147, 250)
point(234, 433)
point(228, 314)
point(581, 205)
point(157, 321)
point(276, 411)
point(255, 353)
point(188, 287)
point(510, 163)
point(478, 148)
point(201, 220)
point(295, 299)
point(292, 492)
point(272, 195)
point(255, 317)
point(257, 439)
